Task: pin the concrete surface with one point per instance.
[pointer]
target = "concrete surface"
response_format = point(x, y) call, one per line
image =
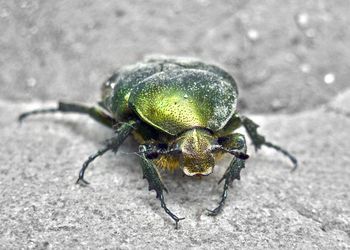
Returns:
point(270, 207)
point(292, 62)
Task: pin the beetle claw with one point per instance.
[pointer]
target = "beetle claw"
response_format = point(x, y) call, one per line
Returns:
point(177, 220)
point(82, 181)
point(214, 212)
point(295, 166)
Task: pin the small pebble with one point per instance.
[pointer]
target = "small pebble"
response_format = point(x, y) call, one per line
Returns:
point(253, 34)
point(329, 78)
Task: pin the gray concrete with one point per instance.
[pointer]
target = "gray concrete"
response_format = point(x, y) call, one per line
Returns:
point(270, 207)
point(63, 50)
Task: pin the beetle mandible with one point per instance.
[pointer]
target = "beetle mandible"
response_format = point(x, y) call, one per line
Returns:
point(182, 112)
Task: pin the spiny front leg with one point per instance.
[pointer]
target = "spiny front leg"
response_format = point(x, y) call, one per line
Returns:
point(112, 144)
point(259, 140)
point(155, 183)
point(232, 143)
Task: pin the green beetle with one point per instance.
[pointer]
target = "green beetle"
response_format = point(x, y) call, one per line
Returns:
point(182, 112)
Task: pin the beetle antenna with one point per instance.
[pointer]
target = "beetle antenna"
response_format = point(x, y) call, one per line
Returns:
point(239, 154)
point(128, 153)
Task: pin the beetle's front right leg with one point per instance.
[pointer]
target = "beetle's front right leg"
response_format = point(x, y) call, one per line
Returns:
point(236, 145)
point(155, 183)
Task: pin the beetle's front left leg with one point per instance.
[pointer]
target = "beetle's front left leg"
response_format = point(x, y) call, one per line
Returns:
point(155, 183)
point(112, 144)
point(236, 145)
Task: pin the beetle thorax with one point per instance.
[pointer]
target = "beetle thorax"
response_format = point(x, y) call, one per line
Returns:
point(197, 158)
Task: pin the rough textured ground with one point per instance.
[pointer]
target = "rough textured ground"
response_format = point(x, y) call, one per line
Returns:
point(292, 62)
point(270, 208)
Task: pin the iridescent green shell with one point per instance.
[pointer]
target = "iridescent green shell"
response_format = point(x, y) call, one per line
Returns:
point(172, 94)
point(177, 100)
point(117, 89)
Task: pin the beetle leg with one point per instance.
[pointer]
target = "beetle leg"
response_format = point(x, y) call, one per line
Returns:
point(155, 183)
point(88, 161)
point(236, 143)
point(94, 112)
point(259, 140)
point(112, 144)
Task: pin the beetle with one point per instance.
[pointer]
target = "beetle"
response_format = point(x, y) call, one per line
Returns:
point(183, 114)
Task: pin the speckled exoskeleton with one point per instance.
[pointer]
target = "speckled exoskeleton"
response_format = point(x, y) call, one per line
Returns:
point(182, 112)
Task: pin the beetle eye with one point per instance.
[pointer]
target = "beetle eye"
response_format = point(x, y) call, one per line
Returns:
point(221, 140)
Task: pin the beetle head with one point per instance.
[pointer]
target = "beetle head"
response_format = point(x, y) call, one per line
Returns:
point(196, 157)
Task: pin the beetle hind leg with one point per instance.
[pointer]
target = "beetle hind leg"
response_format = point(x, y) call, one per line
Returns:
point(259, 140)
point(95, 112)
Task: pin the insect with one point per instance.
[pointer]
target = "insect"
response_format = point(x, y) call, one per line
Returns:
point(183, 114)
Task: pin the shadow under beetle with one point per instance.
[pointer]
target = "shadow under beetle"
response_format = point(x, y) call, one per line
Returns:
point(182, 112)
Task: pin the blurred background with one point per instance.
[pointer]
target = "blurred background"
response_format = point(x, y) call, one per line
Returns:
point(286, 56)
